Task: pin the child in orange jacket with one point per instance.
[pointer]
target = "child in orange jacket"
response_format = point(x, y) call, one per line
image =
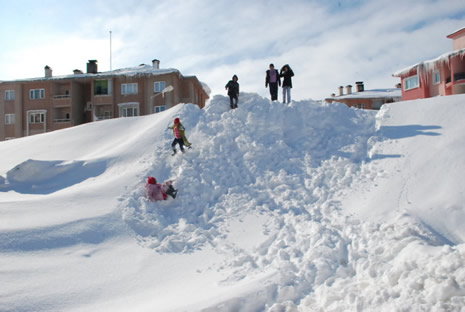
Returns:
point(179, 136)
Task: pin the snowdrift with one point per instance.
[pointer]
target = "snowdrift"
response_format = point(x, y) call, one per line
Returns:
point(306, 207)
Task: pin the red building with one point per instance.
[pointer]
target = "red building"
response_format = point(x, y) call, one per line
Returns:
point(444, 75)
point(365, 99)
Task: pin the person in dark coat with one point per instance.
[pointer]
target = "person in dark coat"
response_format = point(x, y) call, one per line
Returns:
point(233, 91)
point(286, 72)
point(273, 80)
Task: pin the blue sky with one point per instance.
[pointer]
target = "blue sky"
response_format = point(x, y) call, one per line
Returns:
point(327, 43)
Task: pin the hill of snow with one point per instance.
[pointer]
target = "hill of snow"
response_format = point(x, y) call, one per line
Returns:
point(306, 207)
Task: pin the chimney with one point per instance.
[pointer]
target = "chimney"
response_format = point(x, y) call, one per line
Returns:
point(399, 85)
point(92, 67)
point(349, 89)
point(48, 71)
point(77, 72)
point(333, 95)
point(156, 64)
point(341, 90)
point(360, 86)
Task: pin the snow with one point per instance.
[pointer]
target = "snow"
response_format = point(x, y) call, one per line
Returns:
point(395, 93)
point(142, 69)
point(302, 207)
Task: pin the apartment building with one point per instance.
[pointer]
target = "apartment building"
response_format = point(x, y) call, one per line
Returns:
point(49, 103)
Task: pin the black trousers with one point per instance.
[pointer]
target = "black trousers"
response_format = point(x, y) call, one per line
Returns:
point(274, 91)
point(233, 101)
point(178, 141)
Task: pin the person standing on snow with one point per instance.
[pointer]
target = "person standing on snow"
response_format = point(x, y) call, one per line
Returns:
point(286, 72)
point(155, 191)
point(233, 91)
point(179, 136)
point(274, 80)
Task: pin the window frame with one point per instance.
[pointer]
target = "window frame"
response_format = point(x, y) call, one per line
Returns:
point(159, 109)
point(37, 94)
point(407, 82)
point(129, 88)
point(157, 86)
point(10, 119)
point(436, 77)
point(33, 117)
point(134, 107)
point(10, 95)
point(134, 111)
point(107, 115)
point(108, 87)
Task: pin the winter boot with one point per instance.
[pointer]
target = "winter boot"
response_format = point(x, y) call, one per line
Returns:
point(171, 191)
point(174, 152)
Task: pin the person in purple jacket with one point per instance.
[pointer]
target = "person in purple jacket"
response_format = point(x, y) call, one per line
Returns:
point(273, 80)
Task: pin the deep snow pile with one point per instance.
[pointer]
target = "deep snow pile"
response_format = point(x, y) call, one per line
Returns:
point(306, 207)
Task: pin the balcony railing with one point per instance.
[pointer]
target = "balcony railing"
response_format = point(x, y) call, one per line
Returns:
point(64, 96)
point(62, 100)
point(61, 120)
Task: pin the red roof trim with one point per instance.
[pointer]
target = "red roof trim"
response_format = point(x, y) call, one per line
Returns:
point(455, 34)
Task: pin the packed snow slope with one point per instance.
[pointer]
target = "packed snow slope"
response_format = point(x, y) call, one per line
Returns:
point(301, 207)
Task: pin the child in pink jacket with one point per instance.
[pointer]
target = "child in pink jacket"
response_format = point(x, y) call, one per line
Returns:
point(155, 191)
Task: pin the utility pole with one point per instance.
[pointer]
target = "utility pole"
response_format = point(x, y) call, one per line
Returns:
point(110, 50)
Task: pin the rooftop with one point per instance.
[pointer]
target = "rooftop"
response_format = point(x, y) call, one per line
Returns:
point(457, 33)
point(141, 70)
point(370, 94)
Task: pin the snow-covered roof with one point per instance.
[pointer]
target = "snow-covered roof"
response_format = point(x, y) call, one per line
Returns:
point(430, 64)
point(141, 70)
point(371, 94)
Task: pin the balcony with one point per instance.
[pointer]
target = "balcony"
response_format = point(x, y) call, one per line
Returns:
point(459, 77)
point(61, 100)
point(59, 124)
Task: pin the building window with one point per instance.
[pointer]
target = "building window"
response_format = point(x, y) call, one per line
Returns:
point(36, 118)
point(158, 109)
point(107, 115)
point(411, 83)
point(9, 119)
point(436, 77)
point(159, 86)
point(102, 87)
point(10, 95)
point(35, 94)
point(129, 109)
point(129, 88)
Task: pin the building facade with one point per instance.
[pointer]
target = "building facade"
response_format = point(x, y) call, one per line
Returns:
point(49, 103)
point(444, 75)
point(365, 99)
